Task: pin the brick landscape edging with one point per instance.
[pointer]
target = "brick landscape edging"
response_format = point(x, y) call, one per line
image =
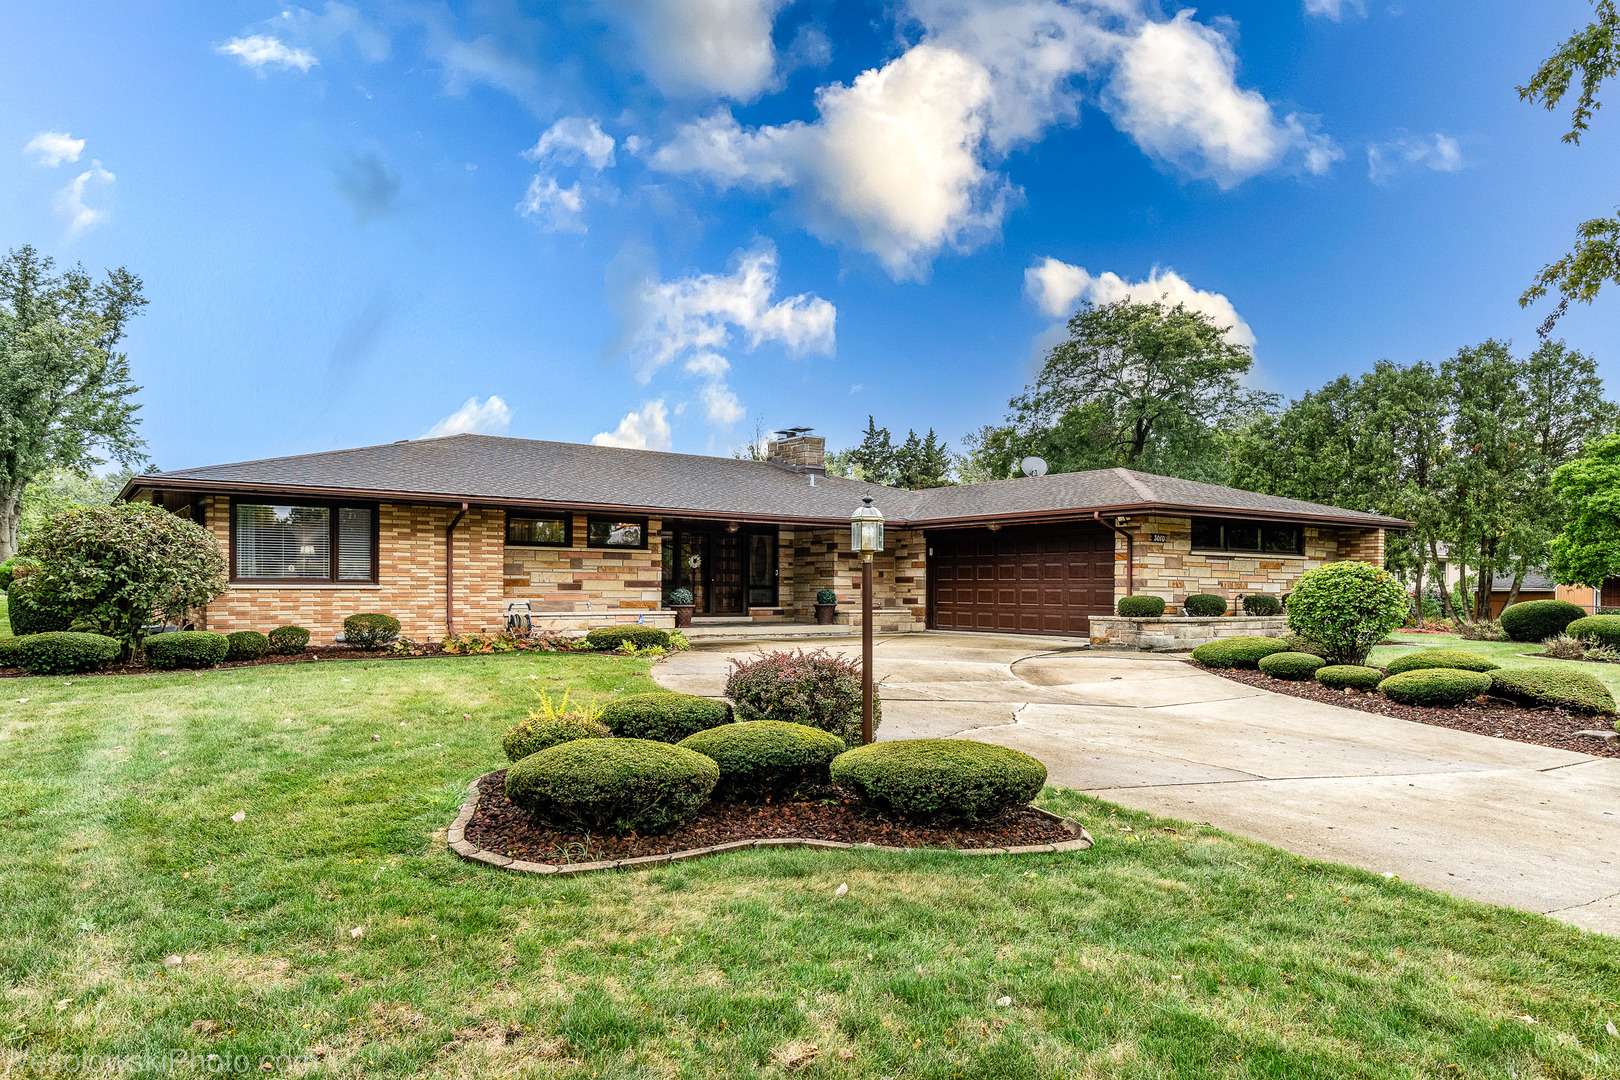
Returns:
point(457, 839)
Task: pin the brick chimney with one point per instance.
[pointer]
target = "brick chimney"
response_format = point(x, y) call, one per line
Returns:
point(800, 449)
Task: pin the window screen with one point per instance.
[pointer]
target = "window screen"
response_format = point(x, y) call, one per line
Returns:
point(354, 543)
point(1210, 534)
point(285, 542)
point(542, 531)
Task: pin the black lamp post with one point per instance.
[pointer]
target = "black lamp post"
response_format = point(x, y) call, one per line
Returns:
point(866, 537)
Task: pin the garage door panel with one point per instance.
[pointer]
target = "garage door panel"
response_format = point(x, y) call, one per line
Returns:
point(1030, 580)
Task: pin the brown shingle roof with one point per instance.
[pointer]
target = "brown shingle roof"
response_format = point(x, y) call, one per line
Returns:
point(490, 469)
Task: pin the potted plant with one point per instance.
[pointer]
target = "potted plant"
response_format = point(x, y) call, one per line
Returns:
point(826, 605)
point(681, 601)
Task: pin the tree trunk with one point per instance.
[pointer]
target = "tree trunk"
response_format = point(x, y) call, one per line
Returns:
point(1482, 588)
point(10, 518)
point(1417, 594)
point(1518, 583)
point(1444, 589)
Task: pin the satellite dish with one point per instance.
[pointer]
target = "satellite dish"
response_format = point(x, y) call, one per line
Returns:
point(1033, 466)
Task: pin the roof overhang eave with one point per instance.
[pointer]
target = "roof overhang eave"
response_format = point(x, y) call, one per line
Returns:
point(1135, 509)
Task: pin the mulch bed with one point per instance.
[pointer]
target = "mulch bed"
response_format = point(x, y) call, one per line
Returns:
point(1489, 716)
point(500, 827)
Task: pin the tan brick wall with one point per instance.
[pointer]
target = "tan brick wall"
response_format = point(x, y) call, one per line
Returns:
point(821, 559)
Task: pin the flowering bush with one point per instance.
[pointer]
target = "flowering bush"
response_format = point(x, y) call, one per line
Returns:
point(1347, 608)
point(817, 689)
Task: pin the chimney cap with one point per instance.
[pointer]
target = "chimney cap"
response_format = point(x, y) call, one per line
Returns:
point(793, 432)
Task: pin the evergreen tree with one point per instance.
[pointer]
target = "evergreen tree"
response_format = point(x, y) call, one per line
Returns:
point(875, 459)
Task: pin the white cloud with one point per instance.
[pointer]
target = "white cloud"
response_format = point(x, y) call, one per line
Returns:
point(1056, 287)
point(555, 208)
point(259, 51)
point(1174, 91)
point(721, 405)
point(52, 148)
point(1438, 152)
point(574, 139)
point(1335, 9)
point(487, 417)
point(70, 200)
point(481, 61)
point(646, 429)
point(336, 21)
point(707, 47)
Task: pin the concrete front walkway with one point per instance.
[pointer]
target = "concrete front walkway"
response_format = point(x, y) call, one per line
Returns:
point(1499, 821)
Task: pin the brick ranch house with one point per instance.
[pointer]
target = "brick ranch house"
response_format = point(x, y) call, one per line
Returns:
point(446, 533)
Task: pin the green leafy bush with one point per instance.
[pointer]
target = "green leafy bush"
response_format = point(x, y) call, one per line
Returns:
point(246, 645)
point(1237, 652)
point(1349, 677)
point(939, 779)
point(763, 758)
point(372, 630)
point(1435, 688)
point(613, 785)
point(826, 596)
point(680, 598)
point(1204, 605)
point(1261, 604)
point(1599, 629)
point(1291, 665)
point(1555, 687)
point(818, 689)
point(1538, 620)
point(288, 640)
point(1347, 608)
point(8, 573)
point(1483, 630)
point(1456, 659)
point(186, 649)
point(608, 638)
point(1300, 643)
point(534, 734)
point(8, 652)
point(663, 716)
point(65, 653)
point(28, 617)
point(1141, 607)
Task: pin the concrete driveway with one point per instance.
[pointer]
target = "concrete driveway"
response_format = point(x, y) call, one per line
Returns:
point(1490, 819)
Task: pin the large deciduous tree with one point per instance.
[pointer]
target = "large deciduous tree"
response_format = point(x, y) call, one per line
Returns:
point(65, 392)
point(1587, 550)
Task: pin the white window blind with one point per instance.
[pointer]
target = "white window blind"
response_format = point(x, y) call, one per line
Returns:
point(354, 543)
point(284, 542)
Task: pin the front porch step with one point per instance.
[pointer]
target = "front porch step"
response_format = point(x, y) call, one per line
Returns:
point(722, 620)
point(713, 629)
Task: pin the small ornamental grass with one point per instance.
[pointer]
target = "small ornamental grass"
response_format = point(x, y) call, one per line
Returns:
point(1349, 677)
point(663, 716)
point(371, 630)
point(1296, 666)
point(63, 653)
point(288, 640)
point(1538, 620)
point(939, 779)
point(762, 759)
point(613, 785)
point(1261, 604)
point(1347, 608)
point(1141, 607)
point(1598, 629)
point(818, 689)
point(1435, 688)
point(246, 645)
point(186, 649)
point(1204, 605)
point(1554, 687)
point(1456, 659)
point(1237, 652)
point(609, 638)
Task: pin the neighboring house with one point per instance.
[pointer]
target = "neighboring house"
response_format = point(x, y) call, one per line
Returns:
point(445, 533)
point(1538, 586)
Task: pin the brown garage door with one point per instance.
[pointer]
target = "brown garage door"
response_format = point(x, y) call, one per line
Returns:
point(1045, 579)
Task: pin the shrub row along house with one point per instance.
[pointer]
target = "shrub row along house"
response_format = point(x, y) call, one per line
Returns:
point(446, 533)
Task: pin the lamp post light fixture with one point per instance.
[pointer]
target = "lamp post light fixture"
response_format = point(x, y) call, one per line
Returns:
point(866, 538)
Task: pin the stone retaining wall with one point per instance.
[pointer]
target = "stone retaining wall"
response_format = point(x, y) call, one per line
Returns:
point(1179, 633)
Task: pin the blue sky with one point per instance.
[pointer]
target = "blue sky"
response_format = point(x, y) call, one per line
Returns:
point(654, 221)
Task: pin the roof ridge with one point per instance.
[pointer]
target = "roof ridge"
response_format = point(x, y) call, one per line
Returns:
point(1136, 485)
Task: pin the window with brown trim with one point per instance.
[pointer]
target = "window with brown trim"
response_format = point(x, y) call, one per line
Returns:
point(539, 530)
point(310, 543)
point(615, 532)
point(1247, 537)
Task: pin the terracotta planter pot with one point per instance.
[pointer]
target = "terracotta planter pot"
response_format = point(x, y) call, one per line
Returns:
point(683, 615)
point(825, 613)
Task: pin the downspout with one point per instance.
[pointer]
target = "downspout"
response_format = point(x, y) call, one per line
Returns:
point(450, 572)
point(1130, 550)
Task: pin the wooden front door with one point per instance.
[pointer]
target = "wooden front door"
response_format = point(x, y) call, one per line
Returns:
point(725, 574)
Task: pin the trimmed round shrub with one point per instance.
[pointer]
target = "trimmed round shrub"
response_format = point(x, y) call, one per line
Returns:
point(246, 645)
point(1204, 605)
point(1347, 608)
point(27, 617)
point(663, 716)
point(1435, 688)
point(1599, 629)
point(62, 653)
point(372, 630)
point(1141, 607)
point(819, 689)
point(1237, 652)
point(613, 785)
point(1456, 659)
point(1299, 643)
point(762, 758)
point(535, 734)
point(186, 649)
point(1295, 666)
point(1538, 620)
point(608, 638)
point(288, 640)
point(8, 652)
point(1261, 604)
point(1561, 687)
point(939, 779)
point(1349, 677)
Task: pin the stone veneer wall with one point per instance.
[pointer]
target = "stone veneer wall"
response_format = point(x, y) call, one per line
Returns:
point(821, 559)
point(1171, 569)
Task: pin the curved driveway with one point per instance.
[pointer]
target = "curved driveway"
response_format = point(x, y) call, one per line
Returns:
point(1494, 820)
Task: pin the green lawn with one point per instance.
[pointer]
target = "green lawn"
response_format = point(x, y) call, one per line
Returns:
point(1506, 653)
point(5, 623)
point(1167, 950)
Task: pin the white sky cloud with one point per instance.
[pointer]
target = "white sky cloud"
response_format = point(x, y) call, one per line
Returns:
point(553, 207)
point(720, 48)
point(1438, 152)
point(70, 202)
point(52, 148)
point(1335, 9)
point(488, 417)
point(644, 429)
point(259, 51)
point(572, 140)
point(1057, 287)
